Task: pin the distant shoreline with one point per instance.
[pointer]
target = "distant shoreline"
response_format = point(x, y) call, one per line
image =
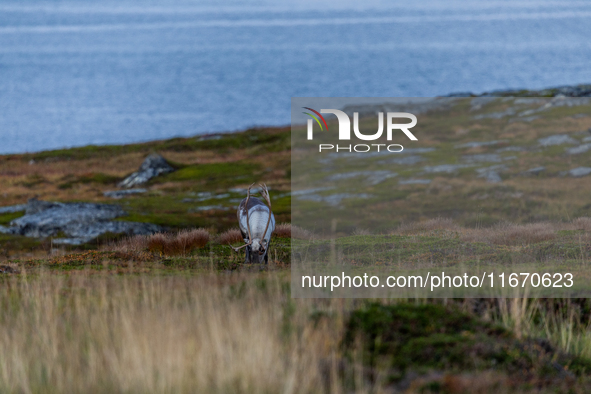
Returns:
point(580, 90)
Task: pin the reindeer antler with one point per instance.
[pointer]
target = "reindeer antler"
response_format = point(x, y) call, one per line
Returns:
point(265, 195)
point(247, 222)
point(246, 208)
point(243, 246)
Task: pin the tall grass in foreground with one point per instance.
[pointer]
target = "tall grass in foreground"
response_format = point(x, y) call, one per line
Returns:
point(209, 333)
point(206, 334)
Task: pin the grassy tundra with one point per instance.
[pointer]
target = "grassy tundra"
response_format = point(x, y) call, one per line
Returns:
point(179, 312)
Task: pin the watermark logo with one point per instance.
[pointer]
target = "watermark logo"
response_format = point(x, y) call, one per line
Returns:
point(345, 129)
point(316, 119)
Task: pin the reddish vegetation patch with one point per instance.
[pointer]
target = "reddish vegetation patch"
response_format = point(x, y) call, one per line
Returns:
point(288, 230)
point(283, 230)
point(177, 244)
point(230, 237)
point(172, 244)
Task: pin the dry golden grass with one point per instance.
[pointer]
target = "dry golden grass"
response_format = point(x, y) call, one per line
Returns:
point(134, 244)
point(582, 224)
point(209, 334)
point(158, 334)
point(16, 174)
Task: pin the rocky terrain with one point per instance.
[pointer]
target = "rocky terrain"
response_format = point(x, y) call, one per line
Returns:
point(510, 155)
point(89, 196)
point(479, 160)
point(79, 223)
point(72, 223)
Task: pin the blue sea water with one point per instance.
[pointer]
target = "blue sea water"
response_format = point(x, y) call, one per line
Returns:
point(88, 72)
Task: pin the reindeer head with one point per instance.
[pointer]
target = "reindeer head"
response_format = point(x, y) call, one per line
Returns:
point(256, 248)
point(257, 251)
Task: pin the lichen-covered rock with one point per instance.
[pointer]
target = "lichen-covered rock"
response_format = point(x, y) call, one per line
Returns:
point(80, 222)
point(580, 171)
point(579, 149)
point(153, 166)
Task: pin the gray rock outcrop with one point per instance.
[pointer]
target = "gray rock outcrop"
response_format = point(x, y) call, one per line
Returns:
point(79, 222)
point(153, 166)
point(535, 171)
point(118, 194)
point(13, 209)
point(559, 139)
point(579, 149)
point(580, 171)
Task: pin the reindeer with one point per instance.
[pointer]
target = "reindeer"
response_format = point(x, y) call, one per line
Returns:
point(257, 223)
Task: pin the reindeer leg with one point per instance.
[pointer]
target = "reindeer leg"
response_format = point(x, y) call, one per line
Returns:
point(247, 255)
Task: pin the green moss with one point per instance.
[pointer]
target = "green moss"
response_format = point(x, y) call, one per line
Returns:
point(421, 338)
point(172, 212)
point(270, 139)
point(214, 174)
point(82, 152)
point(6, 218)
point(282, 208)
point(16, 242)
